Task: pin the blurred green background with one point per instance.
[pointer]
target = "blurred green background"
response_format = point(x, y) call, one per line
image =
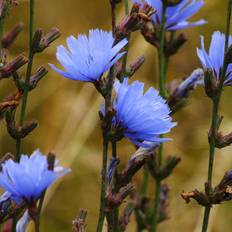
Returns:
point(69, 126)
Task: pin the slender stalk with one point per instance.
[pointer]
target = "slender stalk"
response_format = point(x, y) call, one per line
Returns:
point(144, 189)
point(37, 221)
point(162, 74)
point(216, 102)
point(211, 156)
point(28, 73)
point(108, 97)
point(125, 57)
point(126, 6)
point(103, 185)
point(115, 213)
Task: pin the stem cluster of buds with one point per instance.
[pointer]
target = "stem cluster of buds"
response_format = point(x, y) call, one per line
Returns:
point(212, 196)
point(11, 69)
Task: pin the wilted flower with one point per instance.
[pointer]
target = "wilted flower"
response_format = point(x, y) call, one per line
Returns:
point(27, 179)
point(196, 78)
point(176, 16)
point(89, 57)
point(23, 222)
point(143, 116)
point(215, 58)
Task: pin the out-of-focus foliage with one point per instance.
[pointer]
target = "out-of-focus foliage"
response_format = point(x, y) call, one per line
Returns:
point(69, 126)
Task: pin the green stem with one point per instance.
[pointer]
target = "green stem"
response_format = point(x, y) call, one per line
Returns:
point(37, 221)
point(116, 210)
point(144, 189)
point(163, 64)
point(126, 6)
point(211, 156)
point(103, 185)
point(28, 74)
point(125, 57)
point(107, 128)
point(161, 57)
point(216, 102)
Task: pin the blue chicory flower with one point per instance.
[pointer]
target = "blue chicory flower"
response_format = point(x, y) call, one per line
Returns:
point(87, 58)
point(27, 179)
point(176, 16)
point(215, 58)
point(143, 116)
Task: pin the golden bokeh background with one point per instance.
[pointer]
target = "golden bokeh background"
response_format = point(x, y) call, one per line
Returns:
point(69, 125)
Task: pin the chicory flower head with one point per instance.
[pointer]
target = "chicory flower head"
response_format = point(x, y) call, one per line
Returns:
point(176, 16)
point(28, 179)
point(87, 58)
point(143, 116)
point(214, 59)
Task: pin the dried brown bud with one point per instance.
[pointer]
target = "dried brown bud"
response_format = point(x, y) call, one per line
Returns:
point(228, 56)
point(9, 102)
point(36, 40)
point(40, 43)
point(166, 170)
point(34, 80)
point(211, 83)
point(200, 197)
point(115, 199)
point(174, 45)
point(79, 224)
point(11, 67)
point(135, 65)
point(16, 131)
point(51, 158)
point(10, 36)
point(125, 218)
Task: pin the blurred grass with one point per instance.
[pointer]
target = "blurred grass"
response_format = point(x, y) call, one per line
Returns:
point(69, 125)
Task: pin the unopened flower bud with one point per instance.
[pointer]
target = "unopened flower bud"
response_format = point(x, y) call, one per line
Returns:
point(111, 169)
point(226, 180)
point(10, 36)
point(115, 200)
point(174, 45)
point(163, 214)
point(11, 67)
point(10, 102)
point(210, 83)
point(166, 170)
point(51, 158)
point(135, 66)
point(131, 23)
point(51, 36)
point(15, 131)
point(36, 40)
point(200, 197)
point(79, 225)
point(34, 80)
point(228, 56)
point(125, 218)
point(40, 43)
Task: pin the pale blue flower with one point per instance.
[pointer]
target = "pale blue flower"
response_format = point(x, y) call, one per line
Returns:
point(176, 16)
point(87, 58)
point(214, 59)
point(23, 222)
point(28, 179)
point(143, 116)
